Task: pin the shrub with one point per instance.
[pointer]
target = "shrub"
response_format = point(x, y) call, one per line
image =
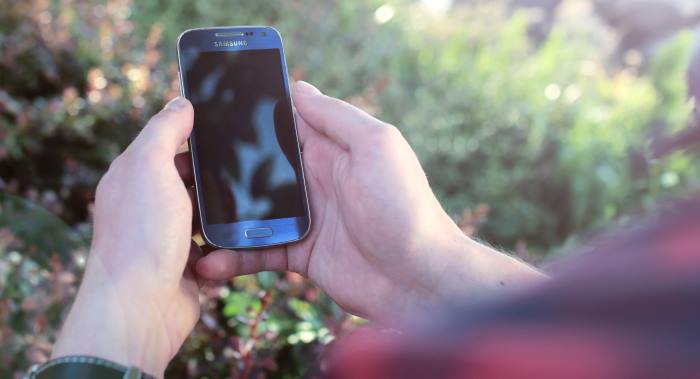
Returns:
point(552, 138)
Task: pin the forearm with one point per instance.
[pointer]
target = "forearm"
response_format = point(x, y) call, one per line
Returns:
point(461, 271)
point(474, 272)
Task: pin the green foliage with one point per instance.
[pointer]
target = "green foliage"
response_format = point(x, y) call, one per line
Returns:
point(552, 137)
point(250, 328)
point(553, 140)
point(40, 257)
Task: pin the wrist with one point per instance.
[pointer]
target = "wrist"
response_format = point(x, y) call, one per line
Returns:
point(121, 326)
point(426, 279)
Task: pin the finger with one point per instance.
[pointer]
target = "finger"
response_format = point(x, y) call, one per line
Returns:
point(169, 129)
point(196, 224)
point(195, 254)
point(307, 134)
point(183, 163)
point(213, 284)
point(343, 123)
point(190, 270)
point(225, 264)
point(303, 129)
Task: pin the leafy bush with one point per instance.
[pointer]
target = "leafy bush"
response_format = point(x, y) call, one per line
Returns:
point(553, 139)
point(36, 284)
point(542, 141)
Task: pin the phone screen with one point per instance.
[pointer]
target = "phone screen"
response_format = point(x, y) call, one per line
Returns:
point(245, 142)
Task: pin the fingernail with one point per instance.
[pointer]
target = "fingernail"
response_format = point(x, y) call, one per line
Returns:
point(177, 103)
point(304, 88)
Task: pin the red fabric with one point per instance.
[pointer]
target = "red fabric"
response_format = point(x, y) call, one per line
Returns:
point(630, 308)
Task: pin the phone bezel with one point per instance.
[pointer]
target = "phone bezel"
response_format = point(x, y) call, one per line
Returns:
point(232, 235)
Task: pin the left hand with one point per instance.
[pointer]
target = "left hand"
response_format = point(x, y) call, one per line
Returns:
point(138, 300)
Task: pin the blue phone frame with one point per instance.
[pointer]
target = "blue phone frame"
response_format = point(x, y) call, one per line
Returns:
point(233, 235)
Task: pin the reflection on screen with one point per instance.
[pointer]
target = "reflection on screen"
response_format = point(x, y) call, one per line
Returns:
point(244, 136)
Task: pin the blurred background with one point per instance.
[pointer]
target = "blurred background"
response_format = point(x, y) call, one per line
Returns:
point(538, 122)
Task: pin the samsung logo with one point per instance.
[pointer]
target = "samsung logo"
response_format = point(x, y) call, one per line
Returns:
point(230, 43)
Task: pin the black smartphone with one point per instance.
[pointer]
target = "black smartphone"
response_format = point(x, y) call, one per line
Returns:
point(245, 150)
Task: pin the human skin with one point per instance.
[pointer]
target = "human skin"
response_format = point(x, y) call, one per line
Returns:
point(138, 300)
point(380, 243)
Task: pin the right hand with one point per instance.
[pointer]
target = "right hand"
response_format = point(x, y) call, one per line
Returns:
point(380, 243)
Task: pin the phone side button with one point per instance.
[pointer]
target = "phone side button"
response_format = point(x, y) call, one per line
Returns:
point(258, 233)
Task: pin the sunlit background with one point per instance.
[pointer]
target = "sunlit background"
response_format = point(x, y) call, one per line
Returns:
point(539, 123)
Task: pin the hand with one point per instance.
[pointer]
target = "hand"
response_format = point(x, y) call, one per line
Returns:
point(380, 243)
point(138, 300)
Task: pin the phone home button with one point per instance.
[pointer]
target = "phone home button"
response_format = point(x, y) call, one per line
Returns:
point(258, 233)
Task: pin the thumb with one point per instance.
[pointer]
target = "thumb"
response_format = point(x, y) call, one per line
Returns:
point(342, 122)
point(169, 129)
point(225, 264)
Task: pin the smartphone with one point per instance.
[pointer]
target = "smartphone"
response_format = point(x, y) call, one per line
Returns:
point(246, 157)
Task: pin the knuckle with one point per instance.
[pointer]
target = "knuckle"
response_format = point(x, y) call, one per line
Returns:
point(392, 131)
point(114, 166)
point(114, 169)
point(116, 163)
point(103, 185)
point(387, 136)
